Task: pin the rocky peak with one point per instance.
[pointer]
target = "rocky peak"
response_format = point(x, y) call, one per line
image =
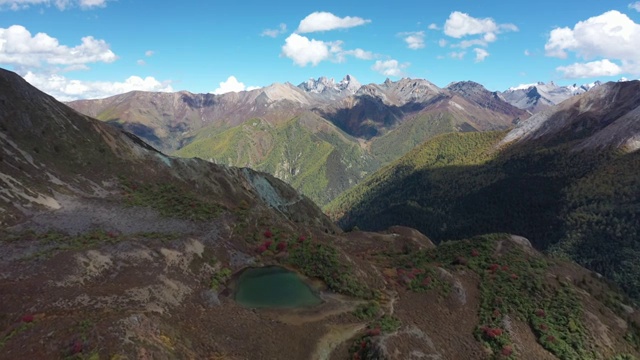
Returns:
point(324, 84)
point(350, 84)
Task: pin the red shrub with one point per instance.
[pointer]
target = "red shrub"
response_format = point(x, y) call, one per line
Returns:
point(543, 327)
point(262, 248)
point(493, 267)
point(268, 234)
point(475, 253)
point(505, 268)
point(540, 313)
point(27, 318)
point(426, 281)
point(514, 276)
point(492, 332)
point(302, 238)
point(281, 246)
point(374, 332)
point(507, 350)
point(551, 338)
point(76, 347)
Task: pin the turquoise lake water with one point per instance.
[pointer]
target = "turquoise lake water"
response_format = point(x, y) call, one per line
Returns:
point(273, 287)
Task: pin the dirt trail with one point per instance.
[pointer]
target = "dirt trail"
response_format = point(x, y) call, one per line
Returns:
point(336, 335)
point(335, 305)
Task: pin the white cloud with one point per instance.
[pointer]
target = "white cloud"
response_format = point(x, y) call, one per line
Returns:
point(357, 53)
point(459, 55)
point(304, 51)
point(460, 24)
point(141, 62)
point(19, 47)
point(60, 4)
point(635, 6)
point(65, 89)
point(433, 27)
point(527, 52)
point(591, 69)
point(324, 21)
point(481, 54)
point(282, 28)
point(442, 42)
point(414, 39)
point(390, 67)
point(232, 85)
point(149, 53)
point(610, 36)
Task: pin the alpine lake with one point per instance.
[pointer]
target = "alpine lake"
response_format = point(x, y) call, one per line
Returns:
point(273, 287)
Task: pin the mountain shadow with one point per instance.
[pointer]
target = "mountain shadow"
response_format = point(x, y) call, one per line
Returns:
point(580, 204)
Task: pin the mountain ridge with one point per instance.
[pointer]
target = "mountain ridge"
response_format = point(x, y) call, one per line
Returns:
point(191, 125)
point(143, 254)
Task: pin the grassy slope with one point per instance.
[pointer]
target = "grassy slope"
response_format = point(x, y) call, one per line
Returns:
point(319, 163)
point(580, 204)
point(411, 133)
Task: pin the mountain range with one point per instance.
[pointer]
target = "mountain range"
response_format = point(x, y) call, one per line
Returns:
point(111, 249)
point(321, 136)
point(539, 96)
point(566, 178)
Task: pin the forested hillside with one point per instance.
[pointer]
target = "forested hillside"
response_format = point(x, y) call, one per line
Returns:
point(580, 204)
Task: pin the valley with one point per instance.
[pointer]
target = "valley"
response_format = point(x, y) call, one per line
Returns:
point(112, 249)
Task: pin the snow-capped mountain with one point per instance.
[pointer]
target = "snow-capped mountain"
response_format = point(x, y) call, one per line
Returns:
point(539, 96)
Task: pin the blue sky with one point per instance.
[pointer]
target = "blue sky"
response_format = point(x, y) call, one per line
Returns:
point(95, 48)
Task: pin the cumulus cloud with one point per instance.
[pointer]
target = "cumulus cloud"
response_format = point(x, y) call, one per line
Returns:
point(390, 67)
point(304, 51)
point(591, 69)
point(65, 89)
point(60, 4)
point(442, 42)
point(527, 52)
point(232, 85)
point(149, 53)
point(19, 47)
point(635, 6)
point(325, 21)
point(414, 39)
point(611, 36)
point(481, 54)
point(433, 27)
point(282, 28)
point(141, 62)
point(460, 24)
